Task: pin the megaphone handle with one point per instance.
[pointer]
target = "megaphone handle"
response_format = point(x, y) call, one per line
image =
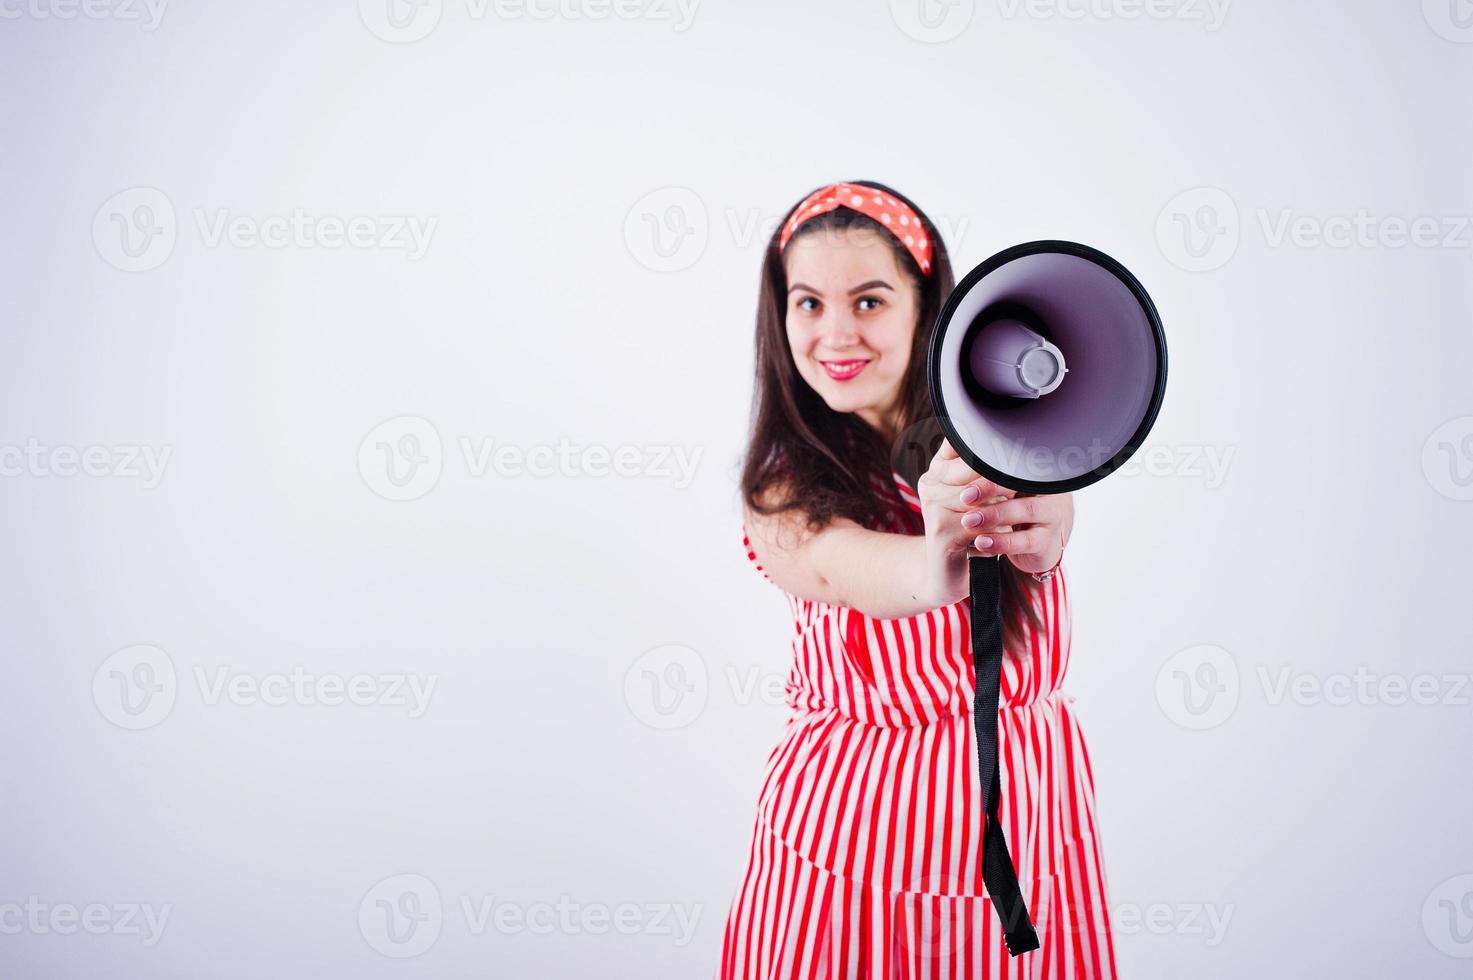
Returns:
point(998, 873)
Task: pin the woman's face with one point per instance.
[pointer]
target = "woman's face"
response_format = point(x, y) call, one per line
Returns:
point(851, 317)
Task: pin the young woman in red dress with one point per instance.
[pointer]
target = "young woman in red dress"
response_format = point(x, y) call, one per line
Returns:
point(865, 858)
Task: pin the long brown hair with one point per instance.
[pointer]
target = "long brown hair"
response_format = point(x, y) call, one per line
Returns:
point(803, 457)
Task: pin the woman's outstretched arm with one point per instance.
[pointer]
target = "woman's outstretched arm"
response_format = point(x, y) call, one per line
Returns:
point(893, 575)
point(882, 575)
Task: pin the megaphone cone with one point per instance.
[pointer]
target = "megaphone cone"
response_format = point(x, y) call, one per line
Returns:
point(1047, 366)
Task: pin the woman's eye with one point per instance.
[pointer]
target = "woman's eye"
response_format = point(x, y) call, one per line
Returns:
point(870, 299)
point(803, 304)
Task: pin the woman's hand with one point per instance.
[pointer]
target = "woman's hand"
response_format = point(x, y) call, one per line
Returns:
point(1030, 530)
point(949, 490)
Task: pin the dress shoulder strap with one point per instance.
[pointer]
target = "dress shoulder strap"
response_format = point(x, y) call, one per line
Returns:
point(752, 555)
point(907, 492)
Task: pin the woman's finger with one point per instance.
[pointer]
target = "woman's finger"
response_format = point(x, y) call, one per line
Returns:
point(978, 520)
point(952, 472)
point(945, 451)
point(1017, 510)
point(982, 491)
point(1030, 541)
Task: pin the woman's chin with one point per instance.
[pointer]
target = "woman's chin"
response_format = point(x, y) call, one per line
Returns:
point(842, 399)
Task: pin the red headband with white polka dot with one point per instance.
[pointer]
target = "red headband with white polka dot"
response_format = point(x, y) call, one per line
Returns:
point(894, 214)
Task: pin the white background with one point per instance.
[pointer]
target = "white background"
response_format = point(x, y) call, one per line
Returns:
point(546, 148)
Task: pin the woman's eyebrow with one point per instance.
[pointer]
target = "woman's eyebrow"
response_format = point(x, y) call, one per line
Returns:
point(857, 289)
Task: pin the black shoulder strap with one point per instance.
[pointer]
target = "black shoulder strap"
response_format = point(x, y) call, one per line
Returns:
point(998, 873)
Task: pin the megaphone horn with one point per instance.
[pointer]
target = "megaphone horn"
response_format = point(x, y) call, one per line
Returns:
point(1047, 366)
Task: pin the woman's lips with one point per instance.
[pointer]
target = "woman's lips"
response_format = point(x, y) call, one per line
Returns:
point(844, 370)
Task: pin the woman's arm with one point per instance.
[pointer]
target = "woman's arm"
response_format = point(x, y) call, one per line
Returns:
point(882, 575)
point(889, 576)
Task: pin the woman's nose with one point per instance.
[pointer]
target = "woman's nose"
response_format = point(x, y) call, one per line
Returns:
point(840, 330)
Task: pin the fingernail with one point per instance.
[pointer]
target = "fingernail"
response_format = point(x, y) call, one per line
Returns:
point(983, 542)
point(972, 518)
point(970, 495)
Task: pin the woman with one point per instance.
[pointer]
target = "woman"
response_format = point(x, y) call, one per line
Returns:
point(865, 858)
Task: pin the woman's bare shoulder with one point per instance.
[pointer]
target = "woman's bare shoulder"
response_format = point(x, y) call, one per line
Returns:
point(791, 550)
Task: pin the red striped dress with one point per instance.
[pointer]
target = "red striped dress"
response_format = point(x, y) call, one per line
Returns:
point(865, 857)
